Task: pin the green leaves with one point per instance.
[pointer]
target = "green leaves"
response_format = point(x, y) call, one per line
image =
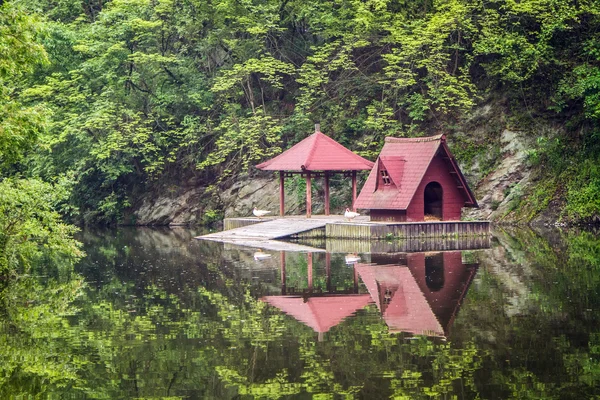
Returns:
point(429, 55)
point(20, 52)
point(19, 49)
point(269, 69)
point(243, 140)
point(31, 229)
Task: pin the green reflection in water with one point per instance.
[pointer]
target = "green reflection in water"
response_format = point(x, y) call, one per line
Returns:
point(163, 316)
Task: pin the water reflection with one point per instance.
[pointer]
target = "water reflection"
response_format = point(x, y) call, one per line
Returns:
point(416, 293)
point(319, 308)
point(154, 314)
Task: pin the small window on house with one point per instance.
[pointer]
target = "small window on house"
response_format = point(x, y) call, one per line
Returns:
point(385, 177)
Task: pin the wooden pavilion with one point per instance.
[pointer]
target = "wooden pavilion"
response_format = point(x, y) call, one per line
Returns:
point(314, 157)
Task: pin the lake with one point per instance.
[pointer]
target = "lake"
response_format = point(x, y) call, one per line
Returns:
point(153, 313)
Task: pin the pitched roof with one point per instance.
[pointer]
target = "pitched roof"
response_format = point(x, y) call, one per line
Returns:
point(320, 313)
point(395, 168)
point(406, 161)
point(318, 152)
point(405, 308)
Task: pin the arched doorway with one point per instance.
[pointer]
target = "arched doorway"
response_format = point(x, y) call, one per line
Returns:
point(433, 197)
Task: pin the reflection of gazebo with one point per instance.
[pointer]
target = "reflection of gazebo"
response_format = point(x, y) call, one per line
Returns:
point(320, 311)
point(316, 156)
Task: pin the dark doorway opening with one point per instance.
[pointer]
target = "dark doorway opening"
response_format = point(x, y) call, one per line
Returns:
point(434, 271)
point(433, 201)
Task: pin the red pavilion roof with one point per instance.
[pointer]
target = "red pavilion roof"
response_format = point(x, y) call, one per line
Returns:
point(406, 161)
point(319, 313)
point(318, 152)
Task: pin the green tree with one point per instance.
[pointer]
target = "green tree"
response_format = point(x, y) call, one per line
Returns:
point(31, 230)
point(20, 125)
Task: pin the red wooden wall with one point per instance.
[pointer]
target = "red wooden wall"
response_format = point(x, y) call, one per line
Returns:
point(453, 198)
point(388, 215)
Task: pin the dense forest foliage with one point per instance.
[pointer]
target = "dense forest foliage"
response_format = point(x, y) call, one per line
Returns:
point(104, 99)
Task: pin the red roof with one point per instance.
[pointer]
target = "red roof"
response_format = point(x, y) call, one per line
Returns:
point(399, 299)
point(406, 161)
point(320, 313)
point(318, 152)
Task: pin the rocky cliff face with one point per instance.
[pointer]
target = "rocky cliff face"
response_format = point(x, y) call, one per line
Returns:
point(181, 208)
point(497, 191)
point(195, 205)
point(262, 193)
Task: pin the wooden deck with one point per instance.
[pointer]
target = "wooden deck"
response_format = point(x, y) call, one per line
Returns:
point(267, 229)
point(407, 230)
point(254, 232)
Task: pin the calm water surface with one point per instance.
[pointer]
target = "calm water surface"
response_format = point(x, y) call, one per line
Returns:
point(152, 313)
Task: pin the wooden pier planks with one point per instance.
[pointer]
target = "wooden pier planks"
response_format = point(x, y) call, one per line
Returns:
point(252, 231)
point(407, 230)
point(272, 229)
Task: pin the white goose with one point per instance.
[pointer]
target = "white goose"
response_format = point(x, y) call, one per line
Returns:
point(349, 215)
point(260, 255)
point(260, 213)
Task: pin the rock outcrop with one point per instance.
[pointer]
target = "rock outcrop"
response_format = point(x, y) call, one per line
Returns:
point(498, 191)
point(195, 205)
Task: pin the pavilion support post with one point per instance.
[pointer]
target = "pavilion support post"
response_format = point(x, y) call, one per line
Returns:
point(328, 270)
point(354, 191)
point(281, 193)
point(308, 195)
point(355, 278)
point(283, 275)
point(310, 271)
point(326, 193)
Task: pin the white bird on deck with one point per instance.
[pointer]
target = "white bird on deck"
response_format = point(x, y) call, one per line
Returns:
point(260, 213)
point(260, 255)
point(350, 214)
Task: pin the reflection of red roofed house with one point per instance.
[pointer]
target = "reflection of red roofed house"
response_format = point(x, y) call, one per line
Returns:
point(399, 299)
point(320, 313)
point(444, 280)
point(414, 177)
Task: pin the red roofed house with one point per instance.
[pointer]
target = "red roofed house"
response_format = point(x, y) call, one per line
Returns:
point(414, 177)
